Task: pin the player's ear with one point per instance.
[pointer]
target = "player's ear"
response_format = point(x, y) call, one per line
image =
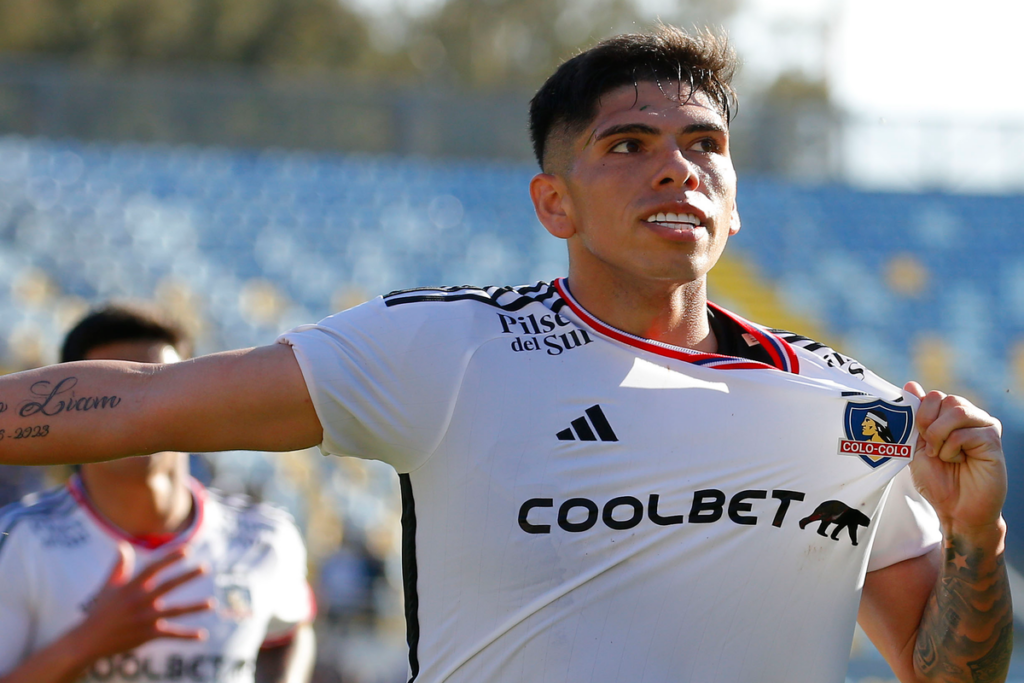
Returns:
point(552, 203)
point(734, 221)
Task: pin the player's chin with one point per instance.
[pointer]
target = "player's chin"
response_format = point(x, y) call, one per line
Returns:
point(691, 266)
point(677, 275)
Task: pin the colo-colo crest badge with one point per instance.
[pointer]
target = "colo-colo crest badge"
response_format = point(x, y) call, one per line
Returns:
point(877, 431)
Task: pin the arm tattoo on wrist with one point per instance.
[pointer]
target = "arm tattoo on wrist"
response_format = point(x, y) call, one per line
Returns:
point(966, 633)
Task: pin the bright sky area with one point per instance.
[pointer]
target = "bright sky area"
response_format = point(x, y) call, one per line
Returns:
point(932, 85)
point(923, 58)
point(899, 67)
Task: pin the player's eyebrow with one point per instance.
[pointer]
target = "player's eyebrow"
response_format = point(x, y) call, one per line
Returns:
point(627, 129)
point(647, 129)
point(705, 128)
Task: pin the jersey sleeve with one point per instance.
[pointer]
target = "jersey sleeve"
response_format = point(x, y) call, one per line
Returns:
point(383, 380)
point(293, 600)
point(908, 526)
point(819, 361)
point(16, 616)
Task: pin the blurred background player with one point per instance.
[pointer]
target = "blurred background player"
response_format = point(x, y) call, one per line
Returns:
point(135, 570)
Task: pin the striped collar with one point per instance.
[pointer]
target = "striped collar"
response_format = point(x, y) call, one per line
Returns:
point(782, 354)
point(152, 541)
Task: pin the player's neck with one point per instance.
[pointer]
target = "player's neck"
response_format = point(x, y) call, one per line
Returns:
point(141, 501)
point(671, 313)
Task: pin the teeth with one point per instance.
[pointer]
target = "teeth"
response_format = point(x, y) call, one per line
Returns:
point(688, 218)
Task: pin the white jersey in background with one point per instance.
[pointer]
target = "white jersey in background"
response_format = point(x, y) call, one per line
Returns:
point(583, 505)
point(56, 552)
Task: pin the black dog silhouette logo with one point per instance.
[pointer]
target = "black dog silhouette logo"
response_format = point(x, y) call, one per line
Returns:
point(839, 513)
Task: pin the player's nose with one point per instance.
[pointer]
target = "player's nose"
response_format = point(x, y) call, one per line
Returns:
point(676, 171)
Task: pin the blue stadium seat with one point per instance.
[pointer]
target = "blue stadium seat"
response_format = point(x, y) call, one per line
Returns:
point(119, 219)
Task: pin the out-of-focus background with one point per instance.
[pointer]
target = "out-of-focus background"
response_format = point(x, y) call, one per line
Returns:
point(254, 164)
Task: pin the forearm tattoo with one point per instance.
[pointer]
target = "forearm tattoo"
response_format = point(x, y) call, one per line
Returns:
point(48, 399)
point(966, 633)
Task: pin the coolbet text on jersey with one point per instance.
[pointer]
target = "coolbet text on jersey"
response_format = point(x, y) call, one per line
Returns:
point(586, 505)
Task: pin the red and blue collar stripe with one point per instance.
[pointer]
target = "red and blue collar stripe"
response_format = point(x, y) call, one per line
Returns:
point(81, 496)
point(782, 354)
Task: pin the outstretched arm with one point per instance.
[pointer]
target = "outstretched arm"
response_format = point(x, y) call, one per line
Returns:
point(101, 410)
point(947, 616)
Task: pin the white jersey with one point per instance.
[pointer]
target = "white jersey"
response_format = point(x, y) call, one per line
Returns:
point(56, 552)
point(584, 505)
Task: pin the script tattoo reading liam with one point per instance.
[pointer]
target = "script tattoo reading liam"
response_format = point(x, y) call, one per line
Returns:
point(53, 399)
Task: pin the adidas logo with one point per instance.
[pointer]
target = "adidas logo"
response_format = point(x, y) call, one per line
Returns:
point(581, 428)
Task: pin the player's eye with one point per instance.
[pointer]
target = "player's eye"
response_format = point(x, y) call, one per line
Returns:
point(625, 147)
point(706, 145)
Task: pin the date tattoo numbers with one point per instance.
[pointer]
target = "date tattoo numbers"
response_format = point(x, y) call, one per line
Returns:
point(25, 432)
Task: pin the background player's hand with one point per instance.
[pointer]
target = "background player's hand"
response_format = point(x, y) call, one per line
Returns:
point(959, 466)
point(128, 612)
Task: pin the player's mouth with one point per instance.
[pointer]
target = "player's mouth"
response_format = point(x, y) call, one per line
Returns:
point(681, 227)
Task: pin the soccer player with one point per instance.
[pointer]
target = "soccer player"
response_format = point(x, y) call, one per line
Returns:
point(134, 571)
point(608, 478)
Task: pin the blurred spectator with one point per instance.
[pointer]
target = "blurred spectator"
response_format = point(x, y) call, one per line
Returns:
point(102, 553)
point(347, 583)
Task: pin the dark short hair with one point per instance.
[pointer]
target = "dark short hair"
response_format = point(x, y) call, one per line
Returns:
point(114, 323)
point(569, 99)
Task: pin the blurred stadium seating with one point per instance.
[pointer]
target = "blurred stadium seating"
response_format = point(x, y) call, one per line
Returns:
point(261, 240)
point(242, 245)
point(246, 244)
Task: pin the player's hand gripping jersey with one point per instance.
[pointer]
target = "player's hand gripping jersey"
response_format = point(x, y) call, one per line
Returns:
point(56, 553)
point(585, 505)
